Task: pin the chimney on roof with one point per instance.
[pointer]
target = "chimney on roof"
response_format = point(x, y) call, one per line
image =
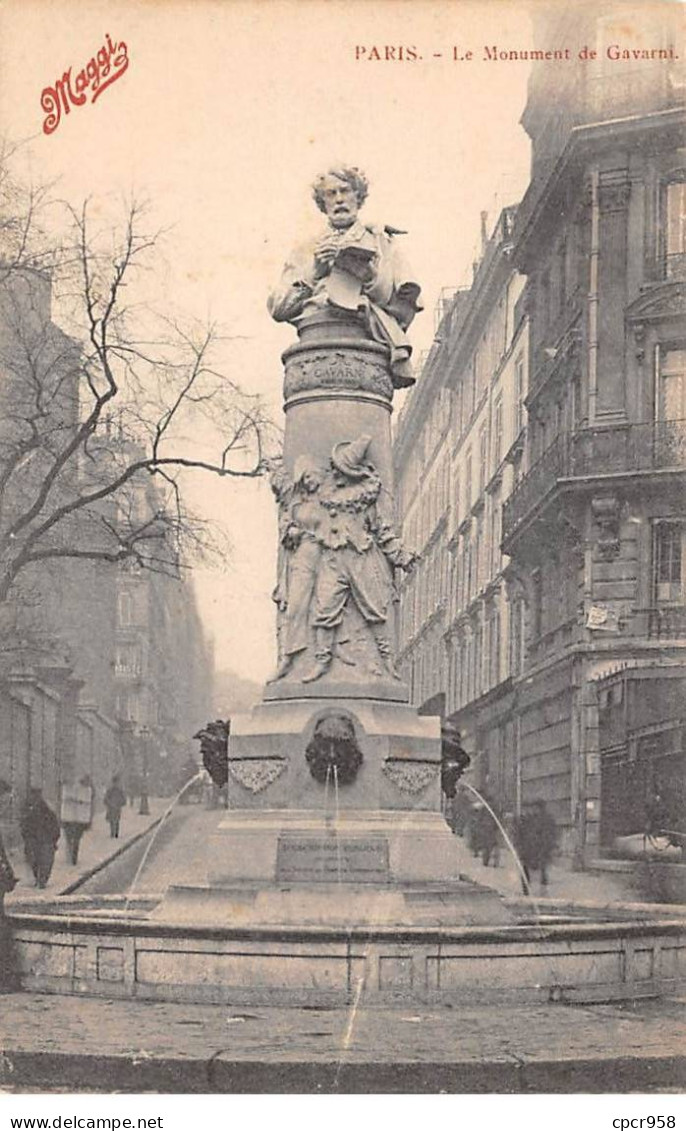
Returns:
point(484, 231)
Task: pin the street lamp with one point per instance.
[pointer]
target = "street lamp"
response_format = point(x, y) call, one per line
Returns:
point(144, 808)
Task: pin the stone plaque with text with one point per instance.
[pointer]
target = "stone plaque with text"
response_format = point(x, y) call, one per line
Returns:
point(329, 859)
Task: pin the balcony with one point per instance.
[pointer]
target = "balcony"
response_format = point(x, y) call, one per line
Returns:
point(625, 449)
point(667, 622)
point(675, 265)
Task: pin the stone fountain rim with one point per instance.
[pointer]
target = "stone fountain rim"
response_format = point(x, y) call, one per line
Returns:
point(510, 933)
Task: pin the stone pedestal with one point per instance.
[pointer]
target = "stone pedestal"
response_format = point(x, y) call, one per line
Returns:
point(334, 780)
point(297, 847)
point(400, 766)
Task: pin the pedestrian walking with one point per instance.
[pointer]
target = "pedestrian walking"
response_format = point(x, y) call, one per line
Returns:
point(76, 814)
point(8, 881)
point(488, 839)
point(133, 787)
point(474, 827)
point(114, 801)
point(536, 837)
point(656, 813)
point(40, 830)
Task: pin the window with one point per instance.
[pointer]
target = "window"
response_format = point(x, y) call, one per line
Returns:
point(575, 406)
point(494, 648)
point(127, 660)
point(495, 537)
point(467, 574)
point(468, 482)
point(125, 608)
point(536, 604)
point(497, 433)
point(674, 225)
point(546, 300)
point(671, 392)
point(562, 273)
point(457, 407)
point(127, 706)
point(478, 659)
point(668, 562)
point(518, 396)
point(516, 635)
point(464, 667)
point(477, 568)
point(483, 456)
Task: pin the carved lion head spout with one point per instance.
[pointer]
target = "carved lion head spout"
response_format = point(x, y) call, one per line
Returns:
point(214, 747)
point(333, 753)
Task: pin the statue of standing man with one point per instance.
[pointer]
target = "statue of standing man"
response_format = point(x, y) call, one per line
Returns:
point(353, 267)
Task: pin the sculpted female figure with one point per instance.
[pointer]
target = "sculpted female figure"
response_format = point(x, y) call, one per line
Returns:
point(301, 554)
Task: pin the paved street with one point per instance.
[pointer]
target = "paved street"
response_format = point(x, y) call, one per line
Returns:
point(179, 855)
point(52, 1042)
point(563, 883)
point(80, 1044)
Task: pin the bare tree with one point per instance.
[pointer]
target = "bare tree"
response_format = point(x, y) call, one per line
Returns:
point(100, 417)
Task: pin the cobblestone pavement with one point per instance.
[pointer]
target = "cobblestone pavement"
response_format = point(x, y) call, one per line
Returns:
point(106, 1045)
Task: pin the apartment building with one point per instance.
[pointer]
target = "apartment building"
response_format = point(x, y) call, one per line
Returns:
point(555, 397)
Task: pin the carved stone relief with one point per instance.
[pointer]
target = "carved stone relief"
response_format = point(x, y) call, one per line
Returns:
point(256, 776)
point(338, 554)
point(337, 369)
point(409, 777)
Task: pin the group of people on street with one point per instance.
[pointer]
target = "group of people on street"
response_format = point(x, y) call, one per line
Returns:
point(533, 833)
point(41, 828)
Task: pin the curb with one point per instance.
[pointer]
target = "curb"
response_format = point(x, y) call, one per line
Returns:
point(221, 1073)
point(85, 876)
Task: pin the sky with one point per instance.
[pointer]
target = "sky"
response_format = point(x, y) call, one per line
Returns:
point(225, 115)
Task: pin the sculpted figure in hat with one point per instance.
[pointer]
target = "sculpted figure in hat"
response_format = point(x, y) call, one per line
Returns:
point(354, 267)
point(360, 552)
point(335, 547)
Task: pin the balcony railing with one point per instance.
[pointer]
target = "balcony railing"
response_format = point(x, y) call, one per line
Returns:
point(675, 265)
point(623, 449)
point(667, 622)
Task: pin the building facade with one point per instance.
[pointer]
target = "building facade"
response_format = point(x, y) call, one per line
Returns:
point(459, 452)
point(587, 600)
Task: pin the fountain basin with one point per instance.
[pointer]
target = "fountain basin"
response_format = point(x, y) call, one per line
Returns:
point(84, 948)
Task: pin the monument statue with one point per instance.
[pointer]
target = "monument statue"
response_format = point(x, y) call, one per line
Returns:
point(337, 547)
point(353, 268)
point(334, 810)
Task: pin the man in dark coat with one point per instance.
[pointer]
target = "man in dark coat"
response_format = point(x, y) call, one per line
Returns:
point(536, 836)
point(8, 880)
point(114, 801)
point(40, 830)
point(8, 969)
